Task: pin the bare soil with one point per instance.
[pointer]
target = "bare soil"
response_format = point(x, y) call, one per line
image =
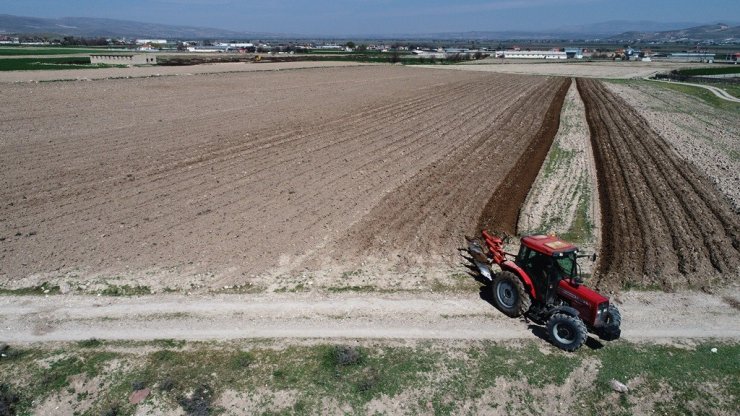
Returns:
point(157, 71)
point(602, 69)
point(502, 212)
point(702, 134)
point(664, 224)
point(236, 178)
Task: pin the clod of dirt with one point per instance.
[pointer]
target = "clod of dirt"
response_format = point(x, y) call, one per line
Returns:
point(618, 387)
point(112, 410)
point(727, 299)
point(138, 396)
point(8, 400)
point(344, 355)
point(138, 385)
point(166, 384)
point(199, 403)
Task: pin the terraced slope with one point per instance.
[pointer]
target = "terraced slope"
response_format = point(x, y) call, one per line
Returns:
point(664, 224)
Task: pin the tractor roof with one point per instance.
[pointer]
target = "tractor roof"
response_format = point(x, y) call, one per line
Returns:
point(547, 244)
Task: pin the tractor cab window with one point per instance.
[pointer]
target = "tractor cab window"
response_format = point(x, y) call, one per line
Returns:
point(538, 266)
point(566, 264)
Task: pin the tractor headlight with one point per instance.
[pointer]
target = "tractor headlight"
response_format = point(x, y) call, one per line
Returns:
point(602, 308)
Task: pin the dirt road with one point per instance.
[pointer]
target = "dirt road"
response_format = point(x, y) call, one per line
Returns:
point(714, 90)
point(647, 317)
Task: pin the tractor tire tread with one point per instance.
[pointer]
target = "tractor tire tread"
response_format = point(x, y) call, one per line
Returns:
point(614, 316)
point(577, 325)
point(524, 301)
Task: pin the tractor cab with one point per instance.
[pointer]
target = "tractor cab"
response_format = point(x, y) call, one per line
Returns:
point(547, 260)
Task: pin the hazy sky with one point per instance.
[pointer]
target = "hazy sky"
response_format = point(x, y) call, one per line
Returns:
point(380, 16)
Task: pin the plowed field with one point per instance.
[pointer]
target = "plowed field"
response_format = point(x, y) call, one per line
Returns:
point(223, 178)
point(664, 224)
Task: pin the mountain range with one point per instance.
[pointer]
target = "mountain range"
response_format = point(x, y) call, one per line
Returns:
point(716, 32)
point(615, 30)
point(99, 27)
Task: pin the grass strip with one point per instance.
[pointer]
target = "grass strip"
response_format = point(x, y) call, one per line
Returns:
point(446, 377)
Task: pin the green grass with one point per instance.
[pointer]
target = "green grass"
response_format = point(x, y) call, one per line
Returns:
point(352, 288)
point(735, 69)
point(683, 370)
point(701, 93)
point(732, 89)
point(19, 51)
point(581, 230)
point(126, 290)
point(556, 157)
point(29, 64)
point(429, 377)
point(40, 290)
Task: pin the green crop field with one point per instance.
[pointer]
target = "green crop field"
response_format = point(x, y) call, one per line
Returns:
point(710, 71)
point(27, 64)
point(21, 51)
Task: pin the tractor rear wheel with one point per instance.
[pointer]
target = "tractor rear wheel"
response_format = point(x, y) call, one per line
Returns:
point(566, 332)
point(509, 294)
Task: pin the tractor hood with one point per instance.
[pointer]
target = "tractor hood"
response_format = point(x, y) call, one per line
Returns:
point(580, 293)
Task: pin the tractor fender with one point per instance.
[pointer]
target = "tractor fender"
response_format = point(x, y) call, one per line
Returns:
point(512, 267)
point(567, 310)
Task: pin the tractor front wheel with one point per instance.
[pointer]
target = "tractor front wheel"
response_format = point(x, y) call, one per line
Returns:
point(509, 294)
point(613, 317)
point(566, 332)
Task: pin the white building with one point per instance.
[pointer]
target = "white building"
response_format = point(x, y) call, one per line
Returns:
point(239, 45)
point(208, 49)
point(118, 59)
point(151, 41)
point(533, 54)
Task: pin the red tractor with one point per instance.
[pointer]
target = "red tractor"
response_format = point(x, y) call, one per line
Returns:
point(542, 283)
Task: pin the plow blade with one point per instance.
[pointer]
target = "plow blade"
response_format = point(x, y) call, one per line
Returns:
point(480, 259)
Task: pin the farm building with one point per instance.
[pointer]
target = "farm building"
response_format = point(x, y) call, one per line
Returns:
point(129, 59)
point(576, 53)
point(535, 54)
point(692, 57)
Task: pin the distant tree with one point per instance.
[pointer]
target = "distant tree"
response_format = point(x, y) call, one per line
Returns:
point(362, 48)
point(350, 45)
